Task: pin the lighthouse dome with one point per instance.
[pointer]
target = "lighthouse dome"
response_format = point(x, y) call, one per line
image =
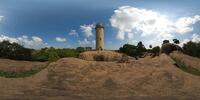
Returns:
point(99, 25)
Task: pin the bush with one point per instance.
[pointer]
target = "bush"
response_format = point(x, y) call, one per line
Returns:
point(133, 50)
point(14, 51)
point(156, 50)
point(169, 48)
point(192, 49)
point(53, 56)
point(18, 52)
point(80, 49)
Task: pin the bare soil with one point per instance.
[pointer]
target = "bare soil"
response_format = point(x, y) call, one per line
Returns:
point(75, 79)
point(101, 56)
point(19, 66)
point(188, 60)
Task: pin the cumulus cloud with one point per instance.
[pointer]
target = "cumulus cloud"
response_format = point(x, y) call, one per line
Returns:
point(133, 20)
point(73, 32)
point(60, 39)
point(87, 29)
point(184, 25)
point(30, 42)
point(87, 42)
point(194, 38)
point(130, 21)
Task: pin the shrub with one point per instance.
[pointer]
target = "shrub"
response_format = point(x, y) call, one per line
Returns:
point(156, 50)
point(80, 49)
point(169, 48)
point(192, 49)
point(14, 51)
point(53, 56)
point(133, 50)
point(18, 52)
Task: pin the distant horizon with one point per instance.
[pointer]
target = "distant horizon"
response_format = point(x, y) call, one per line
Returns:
point(70, 24)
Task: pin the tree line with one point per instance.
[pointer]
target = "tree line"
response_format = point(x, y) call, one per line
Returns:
point(18, 52)
point(190, 48)
point(138, 50)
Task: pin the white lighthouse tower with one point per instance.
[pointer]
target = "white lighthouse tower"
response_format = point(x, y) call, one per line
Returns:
point(99, 37)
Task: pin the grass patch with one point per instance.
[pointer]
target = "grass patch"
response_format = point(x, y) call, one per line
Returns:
point(186, 68)
point(22, 74)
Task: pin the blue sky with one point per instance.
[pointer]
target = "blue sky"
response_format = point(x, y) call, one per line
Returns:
point(70, 23)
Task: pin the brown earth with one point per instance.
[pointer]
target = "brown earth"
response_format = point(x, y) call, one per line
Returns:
point(75, 79)
point(18, 66)
point(188, 60)
point(100, 56)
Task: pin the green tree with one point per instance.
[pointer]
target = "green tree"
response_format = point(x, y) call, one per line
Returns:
point(156, 50)
point(176, 41)
point(129, 49)
point(80, 49)
point(14, 51)
point(150, 46)
point(140, 48)
point(192, 49)
point(165, 41)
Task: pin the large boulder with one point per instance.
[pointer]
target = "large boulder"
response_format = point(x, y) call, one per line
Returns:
point(169, 48)
point(101, 56)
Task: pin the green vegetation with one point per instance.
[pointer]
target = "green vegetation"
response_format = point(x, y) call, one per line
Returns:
point(52, 54)
point(14, 51)
point(168, 47)
point(156, 50)
point(137, 51)
point(22, 74)
point(186, 68)
point(17, 52)
point(192, 49)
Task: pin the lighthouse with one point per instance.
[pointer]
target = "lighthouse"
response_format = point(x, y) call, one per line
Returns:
point(99, 37)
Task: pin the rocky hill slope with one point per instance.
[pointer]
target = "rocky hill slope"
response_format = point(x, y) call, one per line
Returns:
point(76, 79)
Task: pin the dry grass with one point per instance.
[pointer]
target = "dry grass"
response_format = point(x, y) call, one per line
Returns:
point(186, 63)
point(17, 69)
point(188, 60)
point(76, 79)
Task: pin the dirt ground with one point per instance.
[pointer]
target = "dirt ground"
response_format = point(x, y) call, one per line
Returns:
point(100, 55)
point(18, 66)
point(188, 60)
point(75, 79)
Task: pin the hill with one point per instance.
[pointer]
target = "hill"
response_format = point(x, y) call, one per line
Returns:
point(76, 79)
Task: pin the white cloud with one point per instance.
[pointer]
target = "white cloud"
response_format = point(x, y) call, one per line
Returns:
point(73, 32)
point(33, 42)
point(184, 42)
point(133, 20)
point(87, 42)
point(87, 29)
point(147, 23)
point(60, 39)
point(184, 25)
point(194, 38)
